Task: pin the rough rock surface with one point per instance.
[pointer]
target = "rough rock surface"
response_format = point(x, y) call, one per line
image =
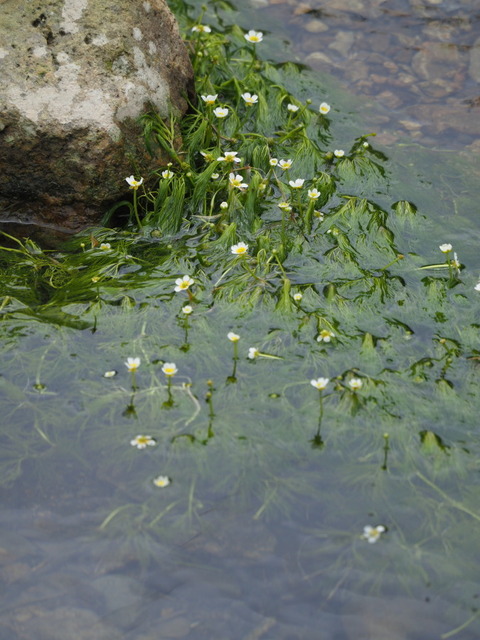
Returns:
point(75, 76)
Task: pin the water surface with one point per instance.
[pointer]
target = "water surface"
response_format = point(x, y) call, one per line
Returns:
point(259, 534)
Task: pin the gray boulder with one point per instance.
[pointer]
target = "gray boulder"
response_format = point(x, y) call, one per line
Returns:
point(75, 77)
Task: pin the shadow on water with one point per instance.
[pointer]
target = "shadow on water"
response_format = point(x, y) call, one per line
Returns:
point(323, 486)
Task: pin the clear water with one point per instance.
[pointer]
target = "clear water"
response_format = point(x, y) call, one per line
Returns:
point(259, 533)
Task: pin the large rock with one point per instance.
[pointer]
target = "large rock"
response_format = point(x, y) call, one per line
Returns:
point(75, 76)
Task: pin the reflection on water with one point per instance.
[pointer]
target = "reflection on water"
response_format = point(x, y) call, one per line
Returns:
point(419, 60)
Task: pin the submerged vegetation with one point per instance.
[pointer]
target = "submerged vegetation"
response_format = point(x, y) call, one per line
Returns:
point(258, 332)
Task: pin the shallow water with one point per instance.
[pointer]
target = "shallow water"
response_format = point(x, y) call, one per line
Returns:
point(259, 534)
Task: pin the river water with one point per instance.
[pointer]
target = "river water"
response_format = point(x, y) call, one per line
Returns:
point(260, 533)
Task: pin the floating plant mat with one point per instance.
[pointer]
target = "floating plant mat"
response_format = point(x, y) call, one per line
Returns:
point(246, 420)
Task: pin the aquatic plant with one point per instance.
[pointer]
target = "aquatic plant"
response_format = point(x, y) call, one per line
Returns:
point(264, 225)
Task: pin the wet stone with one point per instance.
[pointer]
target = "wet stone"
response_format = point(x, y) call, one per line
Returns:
point(316, 26)
point(343, 42)
point(317, 59)
point(436, 60)
point(118, 591)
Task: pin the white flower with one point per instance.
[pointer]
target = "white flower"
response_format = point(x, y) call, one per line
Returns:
point(273, 162)
point(477, 287)
point(201, 28)
point(210, 99)
point(215, 176)
point(134, 184)
point(224, 205)
point(445, 248)
point(167, 174)
point(169, 368)
point(141, 442)
point(109, 374)
point(324, 108)
point(320, 383)
point(250, 99)
point(339, 153)
point(297, 296)
point(285, 164)
point(292, 107)
point(239, 249)
point(182, 284)
point(319, 215)
point(208, 156)
point(253, 352)
point(372, 534)
point(187, 309)
point(365, 144)
point(296, 184)
point(105, 246)
point(236, 181)
point(221, 112)
point(132, 364)
point(355, 384)
point(233, 336)
point(325, 335)
point(313, 194)
point(285, 206)
point(254, 36)
point(229, 156)
point(161, 481)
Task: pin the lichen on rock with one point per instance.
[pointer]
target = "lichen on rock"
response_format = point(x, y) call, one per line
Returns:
point(76, 76)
